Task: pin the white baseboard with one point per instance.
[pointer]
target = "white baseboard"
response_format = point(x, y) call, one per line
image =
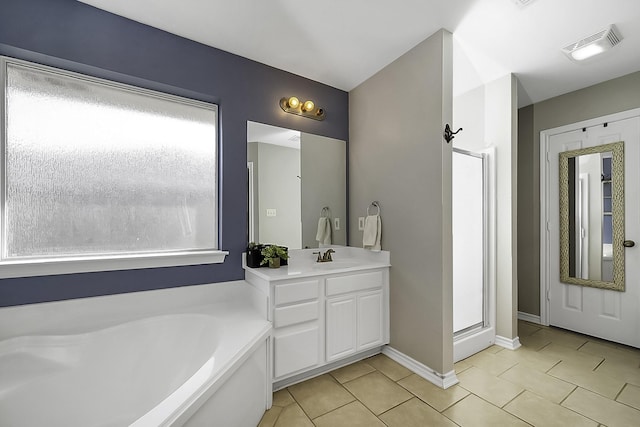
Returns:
point(466, 346)
point(529, 317)
point(442, 381)
point(508, 343)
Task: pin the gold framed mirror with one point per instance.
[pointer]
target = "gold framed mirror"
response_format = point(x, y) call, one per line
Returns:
point(592, 216)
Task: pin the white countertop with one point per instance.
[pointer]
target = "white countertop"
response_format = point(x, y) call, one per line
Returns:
point(302, 263)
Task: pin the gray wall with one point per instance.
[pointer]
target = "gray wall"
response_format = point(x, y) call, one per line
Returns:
point(323, 163)
point(610, 97)
point(397, 156)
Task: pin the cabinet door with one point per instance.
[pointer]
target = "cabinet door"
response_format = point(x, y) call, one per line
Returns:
point(295, 350)
point(370, 319)
point(341, 327)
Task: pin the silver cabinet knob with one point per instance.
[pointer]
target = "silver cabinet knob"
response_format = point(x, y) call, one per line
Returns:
point(628, 243)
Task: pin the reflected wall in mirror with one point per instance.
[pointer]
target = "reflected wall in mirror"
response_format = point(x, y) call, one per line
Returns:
point(293, 176)
point(592, 216)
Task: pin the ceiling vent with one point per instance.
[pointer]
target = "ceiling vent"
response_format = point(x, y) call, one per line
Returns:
point(593, 45)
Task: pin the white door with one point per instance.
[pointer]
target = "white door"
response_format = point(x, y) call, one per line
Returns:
point(341, 327)
point(370, 325)
point(602, 313)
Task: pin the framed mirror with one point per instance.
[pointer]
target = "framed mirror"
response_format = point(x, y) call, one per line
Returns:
point(592, 216)
point(295, 178)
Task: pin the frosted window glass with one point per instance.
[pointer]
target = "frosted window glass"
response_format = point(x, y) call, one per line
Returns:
point(93, 168)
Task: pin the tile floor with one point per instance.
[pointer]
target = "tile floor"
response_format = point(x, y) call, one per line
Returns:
point(556, 378)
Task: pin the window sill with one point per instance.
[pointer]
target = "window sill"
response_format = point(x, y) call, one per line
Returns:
point(49, 267)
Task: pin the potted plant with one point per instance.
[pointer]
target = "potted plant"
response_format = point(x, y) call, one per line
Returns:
point(273, 254)
point(254, 257)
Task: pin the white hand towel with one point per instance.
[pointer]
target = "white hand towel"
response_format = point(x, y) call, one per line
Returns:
point(372, 233)
point(324, 231)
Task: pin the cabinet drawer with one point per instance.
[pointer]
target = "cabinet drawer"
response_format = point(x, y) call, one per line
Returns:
point(295, 351)
point(354, 283)
point(293, 292)
point(285, 316)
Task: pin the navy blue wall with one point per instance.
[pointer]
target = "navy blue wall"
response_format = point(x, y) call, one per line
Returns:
point(77, 37)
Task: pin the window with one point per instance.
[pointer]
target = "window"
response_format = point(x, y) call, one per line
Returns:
point(103, 176)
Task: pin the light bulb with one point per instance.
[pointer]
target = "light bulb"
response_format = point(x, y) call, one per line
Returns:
point(293, 102)
point(308, 106)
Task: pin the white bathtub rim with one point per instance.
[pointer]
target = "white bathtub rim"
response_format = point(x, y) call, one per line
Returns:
point(184, 402)
point(99, 312)
point(45, 340)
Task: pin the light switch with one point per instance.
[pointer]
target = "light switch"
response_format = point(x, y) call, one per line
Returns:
point(271, 212)
point(336, 223)
point(361, 223)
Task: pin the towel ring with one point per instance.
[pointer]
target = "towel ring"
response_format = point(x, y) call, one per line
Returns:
point(326, 212)
point(375, 204)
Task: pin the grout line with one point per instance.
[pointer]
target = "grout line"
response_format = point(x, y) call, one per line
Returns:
point(336, 408)
point(296, 403)
point(544, 346)
point(598, 365)
point(514, 397)
point(615, 399)
point(444, 415)
point(393, 407)
point(570, 393)
point(576, 412)
point(556, 364)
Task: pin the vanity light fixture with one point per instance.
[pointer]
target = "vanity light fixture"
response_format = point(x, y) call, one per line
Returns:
point(593, 44)
point(306, 109)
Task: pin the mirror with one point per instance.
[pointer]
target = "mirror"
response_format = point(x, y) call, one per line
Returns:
point(295, 178)
point(592, 216)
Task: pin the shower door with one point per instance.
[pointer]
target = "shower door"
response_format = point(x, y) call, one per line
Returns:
point(469, 221)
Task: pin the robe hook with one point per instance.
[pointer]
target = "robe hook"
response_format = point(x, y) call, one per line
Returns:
point(448, 134)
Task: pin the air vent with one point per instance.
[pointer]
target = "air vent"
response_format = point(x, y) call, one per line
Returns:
point(593, 44)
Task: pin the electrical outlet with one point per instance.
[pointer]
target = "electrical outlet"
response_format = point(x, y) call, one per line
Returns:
point(271, 212)
point(336, 224)
point(361, 223)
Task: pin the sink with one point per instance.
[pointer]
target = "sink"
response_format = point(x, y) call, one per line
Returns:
point(336, 264)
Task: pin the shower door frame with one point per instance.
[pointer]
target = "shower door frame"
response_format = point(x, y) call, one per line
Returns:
point(482, 335)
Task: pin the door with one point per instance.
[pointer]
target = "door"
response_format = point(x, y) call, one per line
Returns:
point(341, 327)
point(472, 306)
point(370, 325)
point(607, 314)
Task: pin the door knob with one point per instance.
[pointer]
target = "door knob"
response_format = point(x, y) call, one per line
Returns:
point(628, 243)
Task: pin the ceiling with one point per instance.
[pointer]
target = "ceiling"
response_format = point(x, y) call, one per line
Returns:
point(258, 132)
point(344, 42)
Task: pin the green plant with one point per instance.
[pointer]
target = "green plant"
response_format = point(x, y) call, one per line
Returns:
point(273, 252)
point(251, 246)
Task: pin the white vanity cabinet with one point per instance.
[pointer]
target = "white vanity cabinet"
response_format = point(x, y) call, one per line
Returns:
point(323, 318)
point(355, 313)
point(297, 328)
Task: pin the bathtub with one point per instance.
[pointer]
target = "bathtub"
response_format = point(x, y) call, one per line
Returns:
point(191, 356)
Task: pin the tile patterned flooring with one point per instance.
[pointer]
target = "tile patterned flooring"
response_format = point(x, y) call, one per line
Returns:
point(557, 378)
